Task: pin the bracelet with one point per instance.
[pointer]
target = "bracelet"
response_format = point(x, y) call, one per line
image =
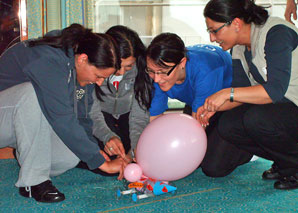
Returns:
point(232, 95)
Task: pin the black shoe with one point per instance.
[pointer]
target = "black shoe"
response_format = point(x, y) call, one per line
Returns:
point(290, 182)
point(43, 192)
point(271, 174)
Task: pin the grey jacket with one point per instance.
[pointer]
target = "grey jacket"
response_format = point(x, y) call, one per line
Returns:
point(118, 103)
point(64, 103)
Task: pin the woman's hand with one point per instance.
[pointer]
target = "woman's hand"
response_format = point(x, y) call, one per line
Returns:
point(128, 158)
point(203, 116)
point(291, 11)
point(215, 101)
point(115, 147)
point(113, 166)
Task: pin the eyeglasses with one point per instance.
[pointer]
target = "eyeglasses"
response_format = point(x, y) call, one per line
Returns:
point(218, 29)
point(151, 72)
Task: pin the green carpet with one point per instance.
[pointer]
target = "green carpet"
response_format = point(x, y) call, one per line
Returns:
point(241, 191)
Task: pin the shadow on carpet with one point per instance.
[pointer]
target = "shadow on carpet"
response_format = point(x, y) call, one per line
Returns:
point(241, 191)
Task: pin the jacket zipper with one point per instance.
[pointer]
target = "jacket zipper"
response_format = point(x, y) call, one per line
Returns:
point(116, 98)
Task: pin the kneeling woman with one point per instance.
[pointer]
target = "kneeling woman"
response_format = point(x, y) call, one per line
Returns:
point(45, 94)
point(262, 102)
point(191, 75)
point(121, 114)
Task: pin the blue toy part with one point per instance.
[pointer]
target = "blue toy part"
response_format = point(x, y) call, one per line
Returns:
point(118, 193)
point(162, 188)
point(134, 197)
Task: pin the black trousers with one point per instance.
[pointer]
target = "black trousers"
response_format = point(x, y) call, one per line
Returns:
point(269, 131)
point(221, 157)
point(120, 126)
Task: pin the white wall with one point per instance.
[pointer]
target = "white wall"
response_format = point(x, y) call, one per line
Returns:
point(149, 18)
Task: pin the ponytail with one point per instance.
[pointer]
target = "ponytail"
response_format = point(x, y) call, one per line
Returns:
point(68, 38)
point(254, 13)
point(100, 48)
point(227, 10)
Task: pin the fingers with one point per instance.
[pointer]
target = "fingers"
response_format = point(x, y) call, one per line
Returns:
point(295, 15)
point(128, 159)
point(202, 117)
point(115, 150)
point(291, 13)
point(121, 150)
point(204, 120)
point(109, 150)
point(114, 166)
point(115, 147)
point(287, 16)
point(209, 106)
point(123, 163)
point(206, 105)
point(106, 157)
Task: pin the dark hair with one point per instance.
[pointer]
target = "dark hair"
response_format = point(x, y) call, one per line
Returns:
point(226, 10)
point(100, 48)
point(130, 44)
point(166, 47)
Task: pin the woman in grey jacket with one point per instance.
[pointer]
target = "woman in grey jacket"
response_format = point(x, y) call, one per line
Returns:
point(45, 94)
point(121, 114)
point(262, 104)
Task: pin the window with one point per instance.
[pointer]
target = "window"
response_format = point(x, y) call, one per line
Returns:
point(149, 18)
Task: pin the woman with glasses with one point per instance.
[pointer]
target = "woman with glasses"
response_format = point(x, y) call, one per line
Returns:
point(191, 75)
point(261, 106)
point(121, 113)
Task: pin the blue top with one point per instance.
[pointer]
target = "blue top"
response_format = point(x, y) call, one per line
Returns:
point(208, 70)
point(63, 102)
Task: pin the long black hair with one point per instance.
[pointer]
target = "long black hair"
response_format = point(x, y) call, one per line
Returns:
point(166, 47)
point(226, 10)
point(100, 48)
point(130, 44)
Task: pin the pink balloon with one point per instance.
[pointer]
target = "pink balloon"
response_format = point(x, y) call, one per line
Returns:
point(132, 172)
point(171, 147)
